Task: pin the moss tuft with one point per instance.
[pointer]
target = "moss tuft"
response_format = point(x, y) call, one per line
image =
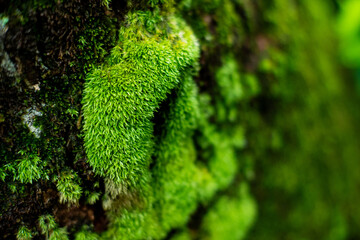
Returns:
point(120, 97)
point(24, 234)
point(69, 188)
point(237, 214)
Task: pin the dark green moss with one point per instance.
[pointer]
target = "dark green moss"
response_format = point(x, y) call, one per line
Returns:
point(43, 105)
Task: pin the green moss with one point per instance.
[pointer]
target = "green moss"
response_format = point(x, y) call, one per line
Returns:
point(154, 58)
point(216, 22)
point(222, 131)
point(30, 160)
point(30, 169)
point(84, 234)
point(50, 228)
point(219, 152)
point(59, 234)
point(165, 3)
point(237, 214)
point(94, 41)
point(229, 79)
point(175, 184)
point(93, 197)
point(183, 235)
point(47, 224)
point(167, 151)
point(120, 97)
point(69, 188)
point(24, 234)
point(235, 86)
point(134, 224)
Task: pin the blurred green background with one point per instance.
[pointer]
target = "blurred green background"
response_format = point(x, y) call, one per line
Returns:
point(310, 187)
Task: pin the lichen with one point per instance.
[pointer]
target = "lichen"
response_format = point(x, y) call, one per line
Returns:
point(29, 120)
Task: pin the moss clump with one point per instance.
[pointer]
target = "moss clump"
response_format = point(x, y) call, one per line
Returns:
point(222, 134)
point(59, 234)
point(121, 96)
point(154, 61)
point(24, 234)
point(136, 223)
point(69, 188)
point(47, 224)
point(237, 214)
point(50, 228)
point(174, 173)
point(84, 234)
point(30, 169)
